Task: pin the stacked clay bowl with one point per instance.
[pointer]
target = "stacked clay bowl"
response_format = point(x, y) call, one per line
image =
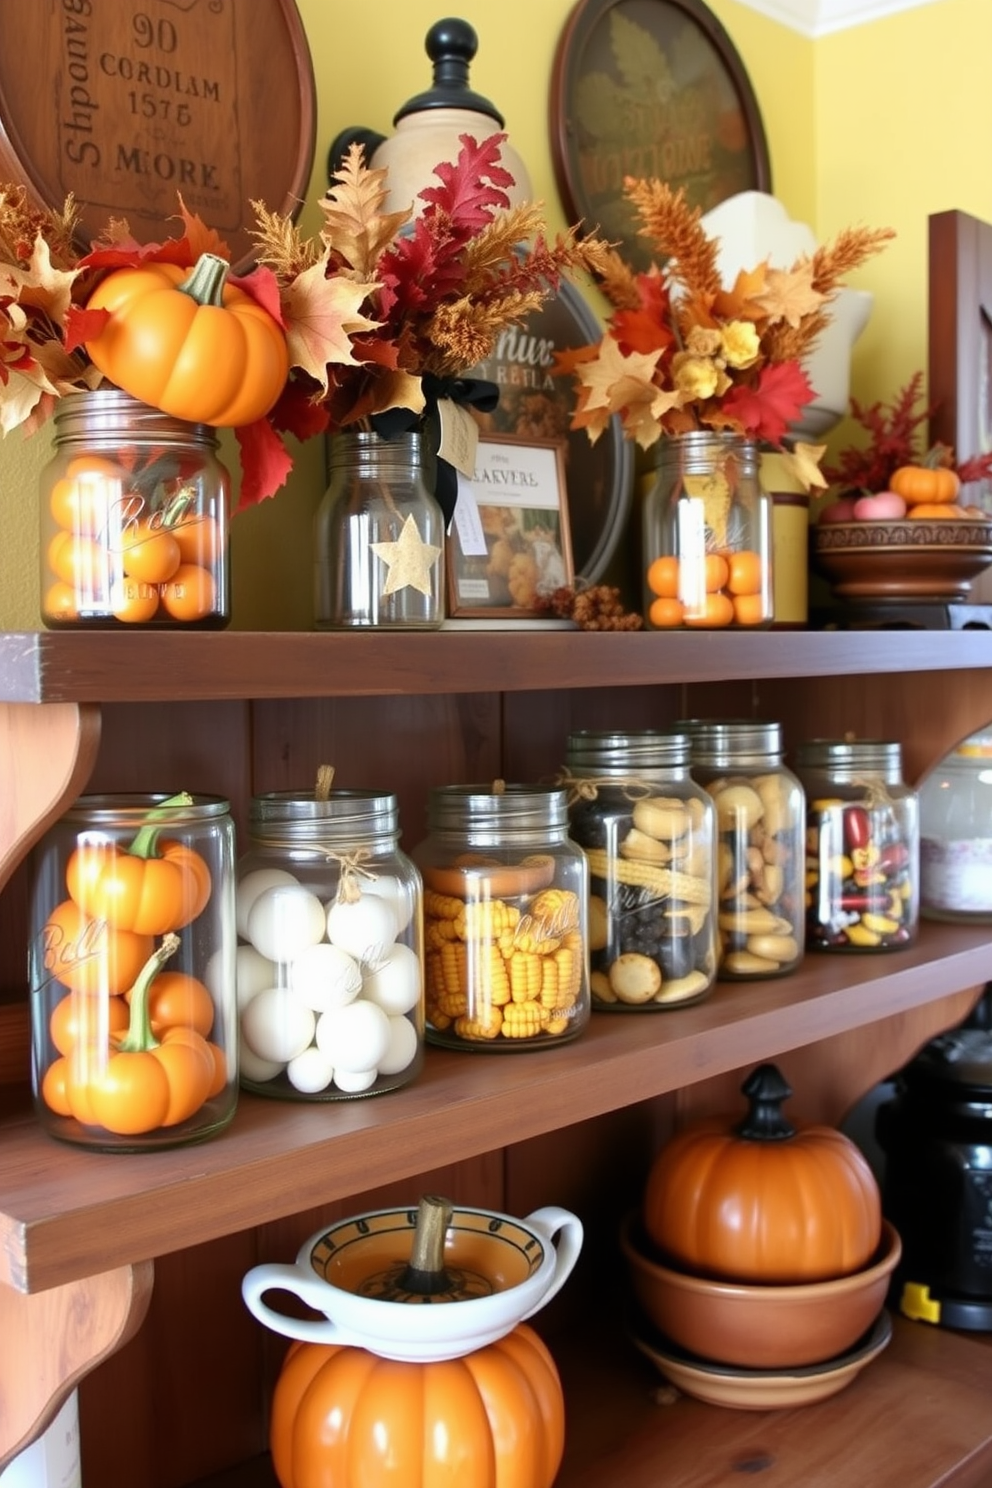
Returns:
point(760, 1246)
point(933, 559)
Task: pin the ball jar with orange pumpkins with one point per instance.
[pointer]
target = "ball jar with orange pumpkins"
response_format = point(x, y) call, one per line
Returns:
point(134, 510)
point(706, 539)
point(131, 969)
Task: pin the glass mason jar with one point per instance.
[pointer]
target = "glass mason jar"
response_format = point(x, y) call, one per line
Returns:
point(761, 827)
point(707, 535)
point(134, 518)
point(131, 966)
point(956, 834)
point(329, 972)
point(378, 538)
point(505, 896)
point(862, 846)
point(649, 834)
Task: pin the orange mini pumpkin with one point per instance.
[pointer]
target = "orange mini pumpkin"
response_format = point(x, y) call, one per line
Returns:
point(763, 1201)
point(933, 484)
point(494, 1418)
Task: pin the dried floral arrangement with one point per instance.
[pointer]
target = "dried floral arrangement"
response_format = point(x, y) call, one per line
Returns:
point(896, 437)
point(382, 313)
point(681, 352)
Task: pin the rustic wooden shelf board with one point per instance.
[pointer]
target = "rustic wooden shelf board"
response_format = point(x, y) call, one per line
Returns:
point(111, 666)
point(65, 1213)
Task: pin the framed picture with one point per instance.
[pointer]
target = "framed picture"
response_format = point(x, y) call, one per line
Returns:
point(652, 89)
point(509, 545)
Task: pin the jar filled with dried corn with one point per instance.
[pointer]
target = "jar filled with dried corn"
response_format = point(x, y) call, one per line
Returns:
point(760, 859)
point(648, 831)
point(505, 918)
point(862, 846)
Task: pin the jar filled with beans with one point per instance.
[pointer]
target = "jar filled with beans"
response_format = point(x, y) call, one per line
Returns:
point(505, 918)
point(648, 833)
point(761, 824)
point(862, 846)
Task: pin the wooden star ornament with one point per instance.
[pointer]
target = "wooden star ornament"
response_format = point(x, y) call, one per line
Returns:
point(409, 560)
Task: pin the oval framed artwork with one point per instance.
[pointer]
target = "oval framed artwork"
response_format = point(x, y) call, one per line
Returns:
point(652, 89)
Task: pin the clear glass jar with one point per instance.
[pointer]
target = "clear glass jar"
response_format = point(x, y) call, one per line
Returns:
point(649, 834)
point(131, 965)
point(134, 519)
point(329, 974)
point(505, 896)
point(707, 535)
point(956, 834)
point(761, 828)
point(378, 537)
point(862, 846)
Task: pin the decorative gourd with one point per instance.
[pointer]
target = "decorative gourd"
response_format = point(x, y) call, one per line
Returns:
point(188, 343)
point(762, 1201)
point(933, 484)
point(494, 1418)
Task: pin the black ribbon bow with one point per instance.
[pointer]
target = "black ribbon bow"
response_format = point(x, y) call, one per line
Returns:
point(469, 392)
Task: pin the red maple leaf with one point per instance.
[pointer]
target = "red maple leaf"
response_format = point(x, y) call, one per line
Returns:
point(471, 186)
point(82, 326)
point(648, 328)
point(766, 411)
point(265, 462)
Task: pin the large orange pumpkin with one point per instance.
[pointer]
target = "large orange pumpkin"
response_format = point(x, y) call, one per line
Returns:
point(763, 1201)
point(345, 1418)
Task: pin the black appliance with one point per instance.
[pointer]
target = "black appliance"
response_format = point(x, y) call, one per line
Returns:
point(936, 1134)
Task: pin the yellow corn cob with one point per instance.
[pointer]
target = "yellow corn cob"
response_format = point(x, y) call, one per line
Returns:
point(488, 979)
point(557, 909)
point(437, 932)
point(528, 936)
point(442, 906)
point(666, 882)
point(522, 1020)
point(556, 1025)
point(486, 919)
point(482, 1026)
point(524, 968)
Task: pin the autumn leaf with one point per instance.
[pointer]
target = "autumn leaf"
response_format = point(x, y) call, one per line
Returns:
point(464, 195)
point(765, 412)
point(265, 463)
point(200, 237)
point(40, 285)
point(263, 287)
point(743, 300)
point(803, 461)
point(321, 315)
point(83, 325)
point(613, 380)
point(789, 294)
point(648, 328)
point(355, 227)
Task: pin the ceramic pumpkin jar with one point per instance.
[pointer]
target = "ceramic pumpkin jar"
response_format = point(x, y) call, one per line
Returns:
point(494, 1418)
point(762, 1200)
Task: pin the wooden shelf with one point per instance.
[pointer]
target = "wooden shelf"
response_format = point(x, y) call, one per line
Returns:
point(66, 1213)
point(110, 666)
point(916, 1417)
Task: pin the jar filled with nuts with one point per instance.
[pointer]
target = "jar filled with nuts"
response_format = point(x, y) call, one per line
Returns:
point(862, 846)
point(649, 833)
point(505, 922)
point(761, 826)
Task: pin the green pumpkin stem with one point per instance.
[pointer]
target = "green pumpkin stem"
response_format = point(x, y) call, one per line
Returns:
point(139, 1037)
point(765, 1089)
point(144, 843)
point(206, 279)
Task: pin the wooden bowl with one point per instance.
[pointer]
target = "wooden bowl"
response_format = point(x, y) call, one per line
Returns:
point(911, 559)
point(756, 1326)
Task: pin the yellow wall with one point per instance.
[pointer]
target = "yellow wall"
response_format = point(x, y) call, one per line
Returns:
point(882, 124)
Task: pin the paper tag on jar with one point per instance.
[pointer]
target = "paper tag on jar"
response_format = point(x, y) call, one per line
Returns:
point(459, 436)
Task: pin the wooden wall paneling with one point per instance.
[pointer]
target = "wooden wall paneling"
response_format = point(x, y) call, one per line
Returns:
point(537, 725)
point(401, 744)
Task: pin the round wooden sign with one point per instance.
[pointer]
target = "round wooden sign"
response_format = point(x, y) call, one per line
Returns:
point(129, 104)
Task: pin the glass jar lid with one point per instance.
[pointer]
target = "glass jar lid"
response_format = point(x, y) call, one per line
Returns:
point(726, 743)
point(497, 808)
point(626, 753)
point(346, 815)
point(109, 414)
point(846, 759)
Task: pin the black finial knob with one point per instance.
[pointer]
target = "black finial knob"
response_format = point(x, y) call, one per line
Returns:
point(451, 44)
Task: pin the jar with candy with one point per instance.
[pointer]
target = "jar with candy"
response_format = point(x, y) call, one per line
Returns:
point(329, 963)
point(505, 895)
point(134, 519)
point(760, 825)
point(956, 834)
point(706, 532)
point(649, 834)
point(862, 846)
point(131, 965)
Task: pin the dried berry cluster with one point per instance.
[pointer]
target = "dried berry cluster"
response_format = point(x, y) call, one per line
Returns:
point(598, 607)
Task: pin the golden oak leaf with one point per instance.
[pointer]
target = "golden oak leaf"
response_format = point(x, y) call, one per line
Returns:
point(355, 226)
point(642, 419)
point(321, 315)
point(803, 461)
point(743, 300)
point(613, 381)
point(40, 285)
point(397, 389)
point(789, 294)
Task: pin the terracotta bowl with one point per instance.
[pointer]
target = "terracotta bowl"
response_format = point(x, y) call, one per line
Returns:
point(756, 1326)
point(929, 560)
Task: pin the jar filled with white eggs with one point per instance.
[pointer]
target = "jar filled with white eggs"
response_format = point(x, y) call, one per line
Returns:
point(506, 893)
point(329, 960)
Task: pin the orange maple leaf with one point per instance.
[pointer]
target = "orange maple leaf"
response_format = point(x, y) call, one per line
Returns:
point(790, 295)
point(743, 300)
point(321, 315)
